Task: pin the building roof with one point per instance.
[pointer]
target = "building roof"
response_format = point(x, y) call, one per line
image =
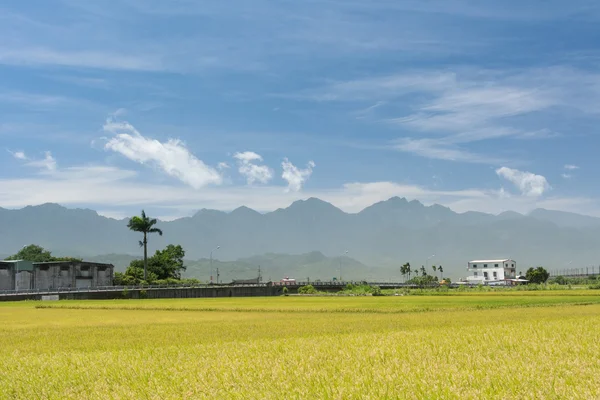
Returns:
point(21, 265)
point(489, 261)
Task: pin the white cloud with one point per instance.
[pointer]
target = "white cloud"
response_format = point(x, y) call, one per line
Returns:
point(222, 165)
point(172, 157)
point(90, 59)
point(571, 167)
point(118, 192)
point(566, 176)
point(294, 176)
point(247, 167)
point(19, 155)
point(441, 149)
point(48, 163)
point(528, 183)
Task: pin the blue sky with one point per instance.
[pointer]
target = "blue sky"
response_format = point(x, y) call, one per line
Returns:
point(181, 105)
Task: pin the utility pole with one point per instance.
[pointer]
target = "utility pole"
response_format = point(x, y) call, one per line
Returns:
point(259, 276)
point(217, 275)
point(346, 253)
point(211, 265)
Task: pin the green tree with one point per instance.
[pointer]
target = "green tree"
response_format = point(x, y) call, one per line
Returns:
point(36, 253)
point(164, 264)
point(144, 225)
point(537, 275)
point(405, 270)
point(441, 269)
point(423, 272)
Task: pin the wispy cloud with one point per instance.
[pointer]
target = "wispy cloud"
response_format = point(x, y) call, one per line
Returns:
point(294, 176)
point(450, 110)
point(571, 167)
point(442, 150)
point(172, 157)
point(249, 168)
point(528, 183)
point(88, 59)
point(48, 163)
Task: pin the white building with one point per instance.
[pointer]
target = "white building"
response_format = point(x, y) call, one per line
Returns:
point(488, 271)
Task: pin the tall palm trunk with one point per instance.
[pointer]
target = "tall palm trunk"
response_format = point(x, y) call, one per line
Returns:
point(145, 257)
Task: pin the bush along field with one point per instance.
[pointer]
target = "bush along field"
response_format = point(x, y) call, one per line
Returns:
point(494, 345)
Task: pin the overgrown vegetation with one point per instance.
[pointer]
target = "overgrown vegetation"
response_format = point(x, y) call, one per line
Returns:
point(36, 253)
point(164, 268)
point(537, 275)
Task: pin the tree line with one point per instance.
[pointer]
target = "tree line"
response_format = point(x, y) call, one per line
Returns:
point(420, 276)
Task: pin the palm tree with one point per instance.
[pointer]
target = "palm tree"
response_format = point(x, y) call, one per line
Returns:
point(145, 225)
point(441, 272)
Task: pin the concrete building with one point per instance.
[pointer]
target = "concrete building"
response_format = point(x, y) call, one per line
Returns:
point(487, 271)
point(24, 275)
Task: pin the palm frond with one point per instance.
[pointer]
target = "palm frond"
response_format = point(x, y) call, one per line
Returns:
point(156, 230)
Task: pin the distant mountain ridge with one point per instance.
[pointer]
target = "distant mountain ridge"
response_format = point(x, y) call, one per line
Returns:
point(385, 234)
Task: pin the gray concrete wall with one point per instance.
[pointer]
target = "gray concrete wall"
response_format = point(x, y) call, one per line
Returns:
point(72, 275)
point(6, 277)
point(176, 293)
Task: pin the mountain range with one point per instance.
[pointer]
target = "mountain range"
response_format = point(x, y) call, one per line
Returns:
point(384, 235)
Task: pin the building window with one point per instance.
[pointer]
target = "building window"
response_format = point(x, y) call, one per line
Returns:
point(475, 273)
point(495, 275)
point(513, 265)
point(485, 275)
point(484, 265)
point(474, 265)
point(496, 265)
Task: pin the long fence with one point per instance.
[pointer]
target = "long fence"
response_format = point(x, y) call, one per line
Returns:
point(576, 272)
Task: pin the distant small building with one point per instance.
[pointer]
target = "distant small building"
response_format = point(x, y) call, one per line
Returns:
point(24, 275)
point(488, 271)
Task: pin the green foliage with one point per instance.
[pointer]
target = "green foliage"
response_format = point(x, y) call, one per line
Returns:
point(144, 225)
point(424, 280)
point(576, 280)
point(308, 289)
point(285, 291)
point(164, 268)
point(537, 275)
point(362, 290)
point(164, 264)
point(37, 253)
point(406, 270)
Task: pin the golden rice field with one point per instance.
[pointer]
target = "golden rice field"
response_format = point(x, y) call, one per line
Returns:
point(511, 345)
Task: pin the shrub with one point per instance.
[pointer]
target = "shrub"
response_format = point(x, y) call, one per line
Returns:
point(285, 291)
point(376, 291)
point(595, 287)
point(308, 289)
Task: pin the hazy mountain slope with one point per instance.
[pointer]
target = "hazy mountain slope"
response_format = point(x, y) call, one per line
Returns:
point(384, 235)
point(565, 219)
